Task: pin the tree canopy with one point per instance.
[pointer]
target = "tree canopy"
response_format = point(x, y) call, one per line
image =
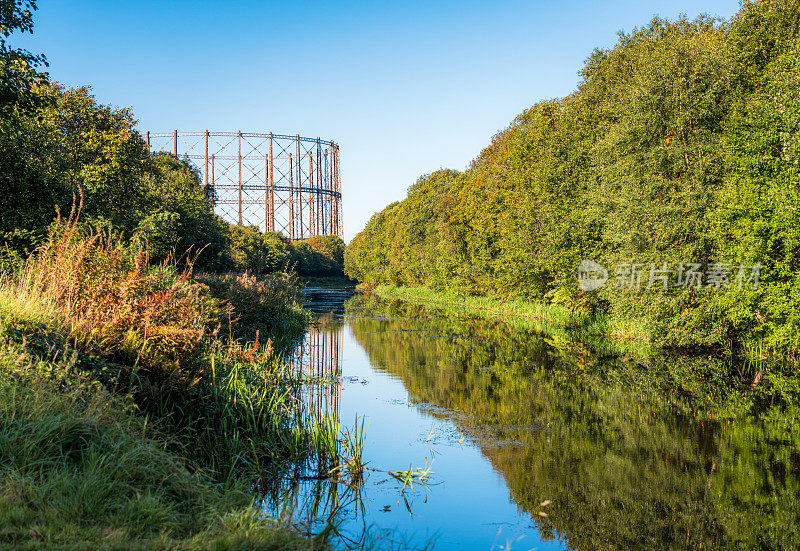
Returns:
point(678, 147)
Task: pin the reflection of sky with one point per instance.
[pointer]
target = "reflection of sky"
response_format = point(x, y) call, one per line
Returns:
point(467, 505)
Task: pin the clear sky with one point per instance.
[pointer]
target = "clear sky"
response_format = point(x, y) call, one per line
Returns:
point(405, 88)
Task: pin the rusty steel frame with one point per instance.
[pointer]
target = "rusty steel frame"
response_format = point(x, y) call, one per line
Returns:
point(278, 182)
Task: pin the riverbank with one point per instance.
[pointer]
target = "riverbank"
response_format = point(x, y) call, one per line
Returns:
point(328, 282)
point(599, 331)
point(141, 405)
point(80, 467)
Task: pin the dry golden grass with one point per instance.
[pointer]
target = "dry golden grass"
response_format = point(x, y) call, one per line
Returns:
point(108, 300)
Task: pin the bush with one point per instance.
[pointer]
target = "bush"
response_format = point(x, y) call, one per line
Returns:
point(680, 145)
point(261, 305)
point(112, 303)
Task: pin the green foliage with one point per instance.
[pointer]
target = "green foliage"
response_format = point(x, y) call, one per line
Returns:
point(17, 66)
point(757, 219)
point(266, 305)
point(255, 252)
point(676, 453)
point(252, 251)
point(330, 246)
point(679, 145)
point(319, 255)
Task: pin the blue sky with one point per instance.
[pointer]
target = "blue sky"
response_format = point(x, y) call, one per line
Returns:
point(404, 88)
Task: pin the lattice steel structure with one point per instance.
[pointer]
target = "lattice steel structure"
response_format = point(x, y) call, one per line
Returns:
point(288, 184)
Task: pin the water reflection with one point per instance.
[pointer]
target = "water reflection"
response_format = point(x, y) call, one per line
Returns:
point(541, 439)
point(317, 359)
point(603, 453)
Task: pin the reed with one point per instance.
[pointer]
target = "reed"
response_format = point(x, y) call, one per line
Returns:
point(80, 466)
point(408, 477)
point(153, 344)
point(353, 442)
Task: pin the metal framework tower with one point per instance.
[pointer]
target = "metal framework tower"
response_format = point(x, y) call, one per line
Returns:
point(288, 184)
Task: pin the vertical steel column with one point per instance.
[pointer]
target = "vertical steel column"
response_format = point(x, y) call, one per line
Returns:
point(240, 177)
point(318, 194)
point(311, 211)
point(291, 202)
point(299, 189)
point(271, 186)
point(266, 193)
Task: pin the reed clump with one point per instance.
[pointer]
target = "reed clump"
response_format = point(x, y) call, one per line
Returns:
point(151, 344)
point(107, 299)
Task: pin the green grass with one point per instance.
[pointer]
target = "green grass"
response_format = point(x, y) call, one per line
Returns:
point(81, 467)
point(138, 407)
point(600, 332)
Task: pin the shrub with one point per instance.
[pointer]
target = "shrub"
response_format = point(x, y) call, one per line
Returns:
point(260, 305)
point(111, 302)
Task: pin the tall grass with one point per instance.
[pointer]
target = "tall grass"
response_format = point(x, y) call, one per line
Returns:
point(193, 353)
point(604, 334)
point(79, 464)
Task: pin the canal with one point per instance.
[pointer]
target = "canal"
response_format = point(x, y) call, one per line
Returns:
point(524, 441)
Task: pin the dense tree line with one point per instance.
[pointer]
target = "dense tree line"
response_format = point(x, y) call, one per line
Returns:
point(679, 453)
point(680, 146)
point(59, 146)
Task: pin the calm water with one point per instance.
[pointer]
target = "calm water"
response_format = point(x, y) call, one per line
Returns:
point(540, 443)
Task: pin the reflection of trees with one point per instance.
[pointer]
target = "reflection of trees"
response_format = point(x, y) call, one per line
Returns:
point(629, 455)
point(317, 359)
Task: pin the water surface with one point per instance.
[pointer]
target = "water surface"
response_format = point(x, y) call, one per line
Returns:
point(541, 443)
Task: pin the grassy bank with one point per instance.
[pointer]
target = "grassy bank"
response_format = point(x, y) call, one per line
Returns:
point(598, 330)
point(141, 405)
point(80, 467)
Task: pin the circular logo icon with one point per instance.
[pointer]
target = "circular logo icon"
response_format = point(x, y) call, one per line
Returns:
point(591, 275)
